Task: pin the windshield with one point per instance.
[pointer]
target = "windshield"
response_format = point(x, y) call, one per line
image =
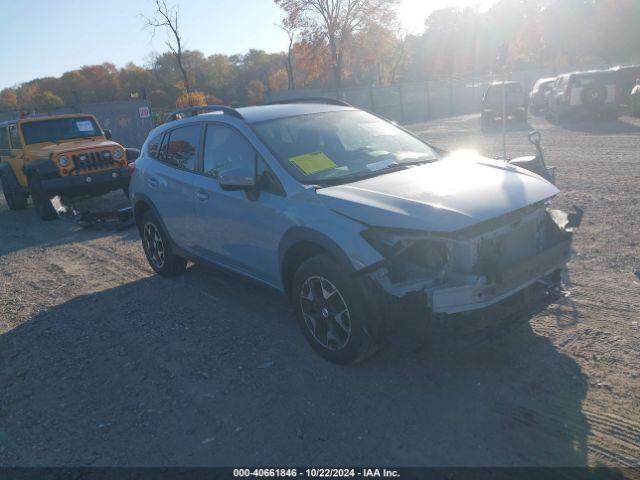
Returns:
point(55, 130)
point(514, 92)
point(336, 147)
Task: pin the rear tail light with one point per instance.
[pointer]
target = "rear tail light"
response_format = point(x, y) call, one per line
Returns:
point(131, 167)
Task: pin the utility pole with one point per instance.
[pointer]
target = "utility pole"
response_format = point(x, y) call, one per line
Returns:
point(502, 59)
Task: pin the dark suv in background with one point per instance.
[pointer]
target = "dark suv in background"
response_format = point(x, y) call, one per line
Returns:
point(538, 95)
point(516, 107)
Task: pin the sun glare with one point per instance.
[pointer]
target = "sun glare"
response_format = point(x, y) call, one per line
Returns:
point(413, 13)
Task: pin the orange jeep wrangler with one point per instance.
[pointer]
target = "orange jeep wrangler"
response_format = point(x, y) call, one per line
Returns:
point(66, 155)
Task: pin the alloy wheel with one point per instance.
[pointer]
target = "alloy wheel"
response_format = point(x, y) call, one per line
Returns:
point(154, 245)
point(325, 313)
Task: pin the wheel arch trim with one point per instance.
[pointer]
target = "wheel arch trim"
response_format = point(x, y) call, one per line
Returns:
point(299, 235)
point(142, 199)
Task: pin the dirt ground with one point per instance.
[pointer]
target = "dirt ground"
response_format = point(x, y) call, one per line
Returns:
point(104, 363)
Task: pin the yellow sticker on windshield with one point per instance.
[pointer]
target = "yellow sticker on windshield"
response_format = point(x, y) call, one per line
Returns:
point(314, 162)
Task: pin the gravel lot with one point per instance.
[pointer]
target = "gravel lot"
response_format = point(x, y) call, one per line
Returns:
point(104, 363)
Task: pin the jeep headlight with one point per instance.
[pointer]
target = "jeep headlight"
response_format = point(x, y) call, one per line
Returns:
point(118, 153)
point(63, 161)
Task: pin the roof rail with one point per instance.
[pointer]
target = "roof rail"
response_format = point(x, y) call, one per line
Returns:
point(199, 110)
point(325, 100)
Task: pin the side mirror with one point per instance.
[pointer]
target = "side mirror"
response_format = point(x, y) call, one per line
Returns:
point(534, 137)
point(107, 133)
point(242, 178)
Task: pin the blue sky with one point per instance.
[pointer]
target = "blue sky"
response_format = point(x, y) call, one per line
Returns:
point(49, 37)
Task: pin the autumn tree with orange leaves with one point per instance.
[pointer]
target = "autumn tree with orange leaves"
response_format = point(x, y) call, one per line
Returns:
point(337, 21)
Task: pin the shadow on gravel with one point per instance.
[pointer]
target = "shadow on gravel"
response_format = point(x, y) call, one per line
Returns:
point(511, 127)
point(600, 127)
point(23, 230)
point(209, 369)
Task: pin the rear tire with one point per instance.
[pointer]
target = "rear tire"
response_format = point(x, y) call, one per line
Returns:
point(158, 248)
point(41, 201)
point(331, 310)
point(16, 200)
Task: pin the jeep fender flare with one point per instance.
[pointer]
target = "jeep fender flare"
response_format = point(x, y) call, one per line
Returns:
point(132, 154)
point(42, 168)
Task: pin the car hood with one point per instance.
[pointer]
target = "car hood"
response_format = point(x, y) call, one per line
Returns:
point(444, 196)
point(43, 150)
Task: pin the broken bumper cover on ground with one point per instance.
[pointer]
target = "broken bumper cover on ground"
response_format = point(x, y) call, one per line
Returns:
point(484, 282)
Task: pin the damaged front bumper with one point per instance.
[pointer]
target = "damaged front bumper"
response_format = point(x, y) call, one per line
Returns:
point(482, 280)
point(483, 293)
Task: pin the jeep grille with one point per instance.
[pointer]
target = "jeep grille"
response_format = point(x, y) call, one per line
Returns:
point(91, 161)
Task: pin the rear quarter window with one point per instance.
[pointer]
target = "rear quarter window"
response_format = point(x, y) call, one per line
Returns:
point(180, 147)
point(153, 147)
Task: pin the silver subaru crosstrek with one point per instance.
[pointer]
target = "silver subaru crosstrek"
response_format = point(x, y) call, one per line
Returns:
point(360, 223)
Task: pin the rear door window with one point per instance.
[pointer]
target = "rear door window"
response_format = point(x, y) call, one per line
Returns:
point(181, 148)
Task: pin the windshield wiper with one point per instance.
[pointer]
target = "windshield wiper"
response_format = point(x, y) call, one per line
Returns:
point(392, 167)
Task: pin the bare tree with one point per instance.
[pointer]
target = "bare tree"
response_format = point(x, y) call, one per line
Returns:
point(337, 21)
point(399, 56)
point(289, 28)
point(166, 17)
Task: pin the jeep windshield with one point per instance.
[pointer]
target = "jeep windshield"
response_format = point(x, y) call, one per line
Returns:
point(340, 147)
point(59, 129)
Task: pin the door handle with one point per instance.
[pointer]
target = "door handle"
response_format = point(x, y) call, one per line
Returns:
point(153, 182)
point(202, 195)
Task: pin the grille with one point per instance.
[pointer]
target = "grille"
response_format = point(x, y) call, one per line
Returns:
point(91, 161)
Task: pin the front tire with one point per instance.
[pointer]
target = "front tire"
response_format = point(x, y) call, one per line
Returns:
point(331, 310)
point(41, 201)
point(158, 248)
point(16, 200)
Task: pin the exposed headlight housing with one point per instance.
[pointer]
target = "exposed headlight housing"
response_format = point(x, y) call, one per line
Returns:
point(118, 153)
point(410, 248)
point(388, 243)
point(410, 255)
point(63, 161)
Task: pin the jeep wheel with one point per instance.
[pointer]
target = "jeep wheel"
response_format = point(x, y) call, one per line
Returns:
point(331, 311)
point(41, 201)
point(158, 249)
point(16, 200)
